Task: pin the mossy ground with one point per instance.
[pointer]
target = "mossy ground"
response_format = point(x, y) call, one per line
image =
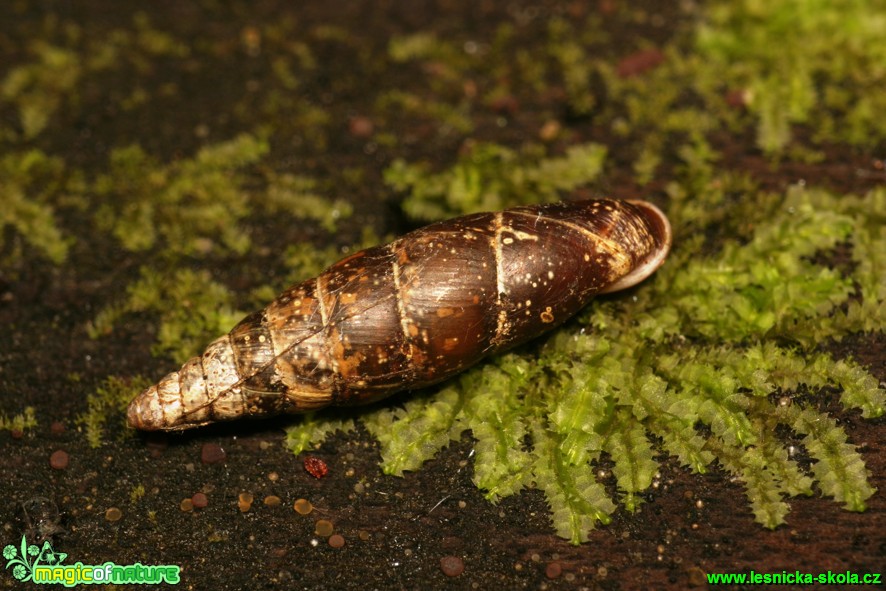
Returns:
point(164, 170)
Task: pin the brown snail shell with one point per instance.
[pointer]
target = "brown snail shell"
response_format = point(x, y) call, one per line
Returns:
point(413, 312)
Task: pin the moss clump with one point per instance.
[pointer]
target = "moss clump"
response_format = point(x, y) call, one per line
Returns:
point(313, 429)
point(489, 177)
point(297, 196)
point(20, 422)
point(107, 403)
point(38, 88)
point(189, 206)
point(190, 306)
point(31, 184)
point(827, 72)
point(137, 493)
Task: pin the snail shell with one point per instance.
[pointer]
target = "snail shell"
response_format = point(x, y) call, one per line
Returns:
point(413, 312)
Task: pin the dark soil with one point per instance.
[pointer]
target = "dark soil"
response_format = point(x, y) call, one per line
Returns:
point(396, 530)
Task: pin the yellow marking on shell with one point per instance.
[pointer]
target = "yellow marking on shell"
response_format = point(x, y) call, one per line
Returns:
point(221, 374)
point(547, 316)
point(450, 343)
point(606, 244)
point(410, 330)
point(381, 355)
point(326, 356)
point(347, 361)
point(502, 326)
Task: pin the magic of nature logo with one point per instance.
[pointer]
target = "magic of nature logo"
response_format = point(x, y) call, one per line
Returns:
point(43, 566)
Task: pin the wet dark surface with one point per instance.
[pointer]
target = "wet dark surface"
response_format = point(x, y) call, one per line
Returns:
point(396, 530)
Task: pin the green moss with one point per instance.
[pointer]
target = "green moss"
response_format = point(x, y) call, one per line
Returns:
point(312, 430)
point(826, 53)
point(297, 196)
point(186, 207)
point(415, 432)
point(191, 306)
point(51, 80)
point(497, 418)
point(446, 116)
point(417, 46)
point(20, 422)
point(37, 88)
point(107, 403)
point(577, 499)
point(489, 177)
point(31, 184)
point(136, 494)
point(573, 64)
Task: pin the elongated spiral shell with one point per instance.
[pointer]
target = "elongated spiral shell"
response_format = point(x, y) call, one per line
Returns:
point(412, 312)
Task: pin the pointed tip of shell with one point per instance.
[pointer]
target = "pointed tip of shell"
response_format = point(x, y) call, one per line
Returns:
point(660, 228)
point(144, 412)
point(147, 412)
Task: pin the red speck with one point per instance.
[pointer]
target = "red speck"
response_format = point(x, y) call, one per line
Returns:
point(360, 127)
point(452, 566)
point(212, 453)
point(639, 63)
point(59, 459)
point(505, 105)
point(553, 570)
point(199, 500)
point(316, 467)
